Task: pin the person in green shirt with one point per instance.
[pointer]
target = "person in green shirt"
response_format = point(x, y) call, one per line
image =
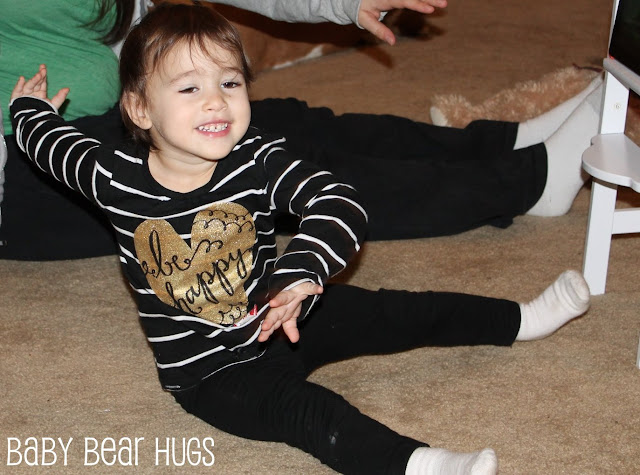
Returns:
point(431, 165)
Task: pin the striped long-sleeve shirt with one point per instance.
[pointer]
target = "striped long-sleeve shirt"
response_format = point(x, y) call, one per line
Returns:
point(203, 264)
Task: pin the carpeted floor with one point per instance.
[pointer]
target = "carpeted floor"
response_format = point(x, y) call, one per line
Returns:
point(74, 363)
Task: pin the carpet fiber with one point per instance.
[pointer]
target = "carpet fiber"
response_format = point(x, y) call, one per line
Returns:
point(74, 362)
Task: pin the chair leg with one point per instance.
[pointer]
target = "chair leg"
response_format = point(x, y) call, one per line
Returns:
point(598, 241)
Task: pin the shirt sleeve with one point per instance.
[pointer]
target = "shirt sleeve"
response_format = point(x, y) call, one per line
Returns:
point(332, 223)
point(55, 147)
point(341, 12)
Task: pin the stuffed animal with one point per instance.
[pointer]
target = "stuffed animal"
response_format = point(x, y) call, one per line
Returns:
point(526, 100)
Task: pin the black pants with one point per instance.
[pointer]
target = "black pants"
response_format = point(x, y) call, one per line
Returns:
point(271, 399)
point(416, 179)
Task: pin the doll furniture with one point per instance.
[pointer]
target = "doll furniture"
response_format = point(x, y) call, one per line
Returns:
point(613, 159)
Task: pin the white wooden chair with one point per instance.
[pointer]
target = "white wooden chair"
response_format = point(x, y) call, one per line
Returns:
point(612, 160)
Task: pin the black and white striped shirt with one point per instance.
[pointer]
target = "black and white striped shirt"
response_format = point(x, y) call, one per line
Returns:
point(203, 264)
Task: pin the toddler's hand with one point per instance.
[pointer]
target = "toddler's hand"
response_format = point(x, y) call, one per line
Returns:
point(37, 87)
point(285, 309)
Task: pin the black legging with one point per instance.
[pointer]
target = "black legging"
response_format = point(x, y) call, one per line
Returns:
point(415, 179)
point(271, 399)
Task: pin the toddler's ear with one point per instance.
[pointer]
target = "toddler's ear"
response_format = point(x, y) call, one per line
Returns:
point(136, 109)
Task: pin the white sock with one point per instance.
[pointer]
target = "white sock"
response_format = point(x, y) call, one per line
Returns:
point(539, 129)
point(565, 299)
point(438, 117)
point(430, 461)
point(565, 176)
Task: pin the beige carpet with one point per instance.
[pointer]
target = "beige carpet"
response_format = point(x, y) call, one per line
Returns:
point(74, 364)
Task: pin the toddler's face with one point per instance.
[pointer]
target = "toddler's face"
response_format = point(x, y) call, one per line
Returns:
point(197, 104)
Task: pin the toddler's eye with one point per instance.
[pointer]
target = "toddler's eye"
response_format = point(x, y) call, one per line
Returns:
point(230, 84)
point(188, 90)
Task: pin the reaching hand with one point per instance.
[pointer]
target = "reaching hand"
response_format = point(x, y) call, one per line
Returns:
point(37, 87)
point(370, 11)
point(285, 309)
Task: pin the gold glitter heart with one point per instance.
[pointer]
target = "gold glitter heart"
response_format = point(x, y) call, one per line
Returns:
point(205, 279)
